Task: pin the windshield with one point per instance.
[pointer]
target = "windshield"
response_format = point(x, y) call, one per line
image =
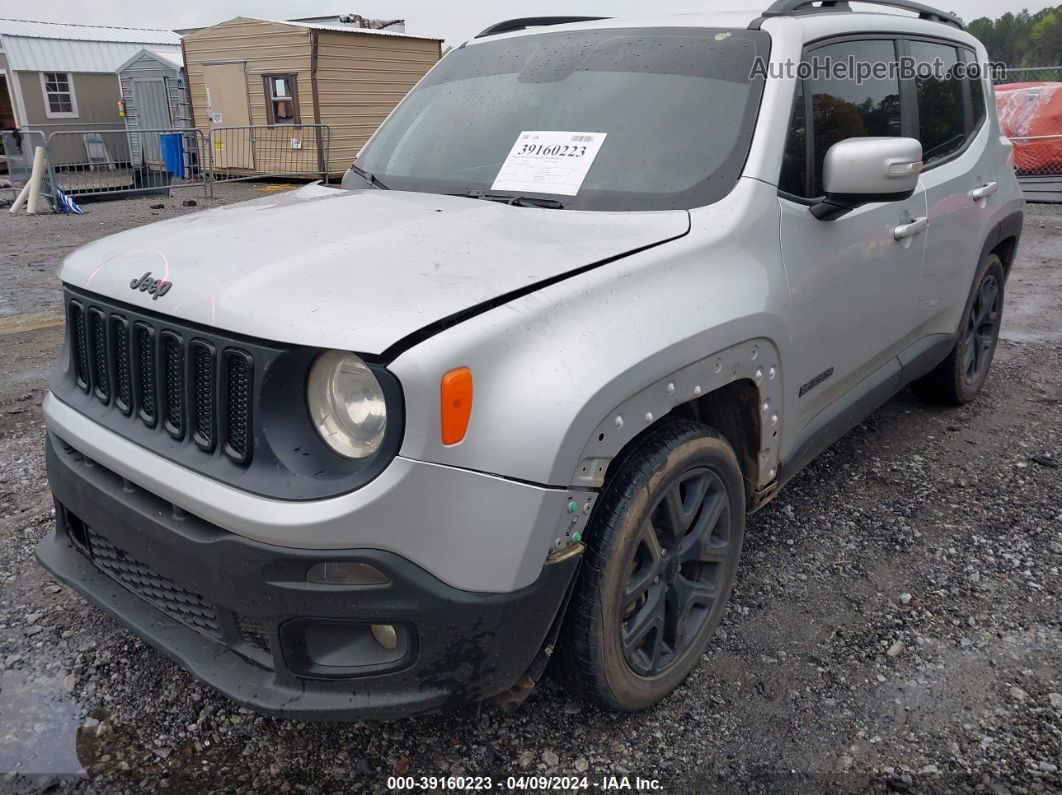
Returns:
point(604, 119)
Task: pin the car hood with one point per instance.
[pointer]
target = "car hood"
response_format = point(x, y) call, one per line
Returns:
point(356, 270)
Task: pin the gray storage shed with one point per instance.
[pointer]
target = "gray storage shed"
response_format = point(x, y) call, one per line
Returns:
point(155, 98)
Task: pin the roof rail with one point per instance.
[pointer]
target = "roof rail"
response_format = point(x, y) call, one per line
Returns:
point(531, 22)
point(786, 8)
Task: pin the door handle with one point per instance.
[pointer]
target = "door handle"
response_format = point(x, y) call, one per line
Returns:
point(984, 191)
point(917, 226)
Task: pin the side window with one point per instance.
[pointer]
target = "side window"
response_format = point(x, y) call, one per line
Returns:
point(941, 113)
point(845, 107)
point(977, 95)
point(794, 178)
point(282, 100)
point(59, 100)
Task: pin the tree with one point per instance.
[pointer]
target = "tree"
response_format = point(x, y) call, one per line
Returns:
point(1022, 39)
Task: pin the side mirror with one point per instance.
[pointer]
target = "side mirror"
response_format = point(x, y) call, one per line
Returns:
point(861, 170)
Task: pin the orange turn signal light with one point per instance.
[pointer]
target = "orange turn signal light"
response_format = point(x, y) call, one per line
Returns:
point(456, 394)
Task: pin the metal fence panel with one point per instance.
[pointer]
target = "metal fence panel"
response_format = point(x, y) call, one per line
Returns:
point(94, 162)
point(18, 146)
point(283, 150)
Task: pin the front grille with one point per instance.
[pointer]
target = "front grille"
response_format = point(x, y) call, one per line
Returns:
point(182, 605)
point(165, 378)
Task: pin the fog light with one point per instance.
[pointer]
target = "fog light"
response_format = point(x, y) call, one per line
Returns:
point(385, 635)
point(341, 573)
point(332, 648)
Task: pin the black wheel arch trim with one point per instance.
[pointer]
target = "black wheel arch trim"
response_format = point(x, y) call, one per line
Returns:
point(1009, 227)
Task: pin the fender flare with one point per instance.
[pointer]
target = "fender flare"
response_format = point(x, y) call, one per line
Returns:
point(1007, 227)
point(756, 360)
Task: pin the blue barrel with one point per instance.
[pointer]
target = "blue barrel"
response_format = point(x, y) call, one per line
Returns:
point(173, 153)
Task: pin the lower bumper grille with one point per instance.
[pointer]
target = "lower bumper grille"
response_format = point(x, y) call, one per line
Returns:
point(189, 608)
point(253, 632)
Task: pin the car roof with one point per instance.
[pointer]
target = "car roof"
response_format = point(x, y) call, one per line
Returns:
point(816, 25)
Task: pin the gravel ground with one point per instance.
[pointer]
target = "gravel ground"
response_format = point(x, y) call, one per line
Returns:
point(896, 624)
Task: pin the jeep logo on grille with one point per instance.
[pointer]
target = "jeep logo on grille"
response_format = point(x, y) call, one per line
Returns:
point(156, 288)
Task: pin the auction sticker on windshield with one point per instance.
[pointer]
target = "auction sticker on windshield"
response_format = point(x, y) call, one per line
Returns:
point(549, 162)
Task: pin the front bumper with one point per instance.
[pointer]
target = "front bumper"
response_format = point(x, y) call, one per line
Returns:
point(233, 611)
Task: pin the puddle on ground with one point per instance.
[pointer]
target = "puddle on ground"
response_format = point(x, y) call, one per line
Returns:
point(39, 725)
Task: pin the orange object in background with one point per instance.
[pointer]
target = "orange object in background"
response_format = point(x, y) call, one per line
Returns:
point(456, 402)
point(1030, 114)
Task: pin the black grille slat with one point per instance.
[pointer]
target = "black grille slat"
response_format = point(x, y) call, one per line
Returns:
point(180, 604)
point(97, 329)
point(173, 390)
point(144, 342)
point(238, 379)
point(204, 393)
point(79, 344)
point(123, 378)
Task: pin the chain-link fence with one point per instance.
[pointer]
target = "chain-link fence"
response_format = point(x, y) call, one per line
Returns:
point(1038, 164)
point(1030, 74)
point(100, 162)
point(284, 150)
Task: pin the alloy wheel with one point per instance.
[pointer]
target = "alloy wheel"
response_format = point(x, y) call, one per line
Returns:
point(981, 330)
point(675, 571)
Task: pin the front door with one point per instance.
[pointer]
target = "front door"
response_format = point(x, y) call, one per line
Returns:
point(854, 280)
point(153, 113)
point(227, 107)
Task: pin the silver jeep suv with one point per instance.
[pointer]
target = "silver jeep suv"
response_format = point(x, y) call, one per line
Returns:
point(594, 292)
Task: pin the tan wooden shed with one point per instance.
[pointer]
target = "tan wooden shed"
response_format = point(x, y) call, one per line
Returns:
point(248, 72)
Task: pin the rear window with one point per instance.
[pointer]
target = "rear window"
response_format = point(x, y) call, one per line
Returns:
point(977, 95)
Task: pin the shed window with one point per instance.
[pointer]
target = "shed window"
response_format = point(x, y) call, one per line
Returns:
point(59, 99)
point(282, 99)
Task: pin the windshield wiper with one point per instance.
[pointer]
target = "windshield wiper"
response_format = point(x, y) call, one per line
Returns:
point(370, 178)
point(531, 201)
point(514, 201)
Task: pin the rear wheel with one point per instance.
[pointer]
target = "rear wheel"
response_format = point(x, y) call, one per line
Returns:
point(960, 377)
point(663, 546)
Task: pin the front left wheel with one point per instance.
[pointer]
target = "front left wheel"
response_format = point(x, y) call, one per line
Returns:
point(662, 549)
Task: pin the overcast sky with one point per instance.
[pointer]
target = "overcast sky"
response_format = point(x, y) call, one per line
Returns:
point(454, 20)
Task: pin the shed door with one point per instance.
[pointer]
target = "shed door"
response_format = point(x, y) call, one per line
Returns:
point(228, 107)
point(153, 113)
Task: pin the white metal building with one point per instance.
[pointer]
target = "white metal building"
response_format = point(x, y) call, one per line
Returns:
point(58, 76)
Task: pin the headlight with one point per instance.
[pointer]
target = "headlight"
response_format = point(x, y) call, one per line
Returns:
point(347, 404)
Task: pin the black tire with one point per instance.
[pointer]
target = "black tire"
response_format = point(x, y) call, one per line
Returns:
point(695, 466)
point(959, 378)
